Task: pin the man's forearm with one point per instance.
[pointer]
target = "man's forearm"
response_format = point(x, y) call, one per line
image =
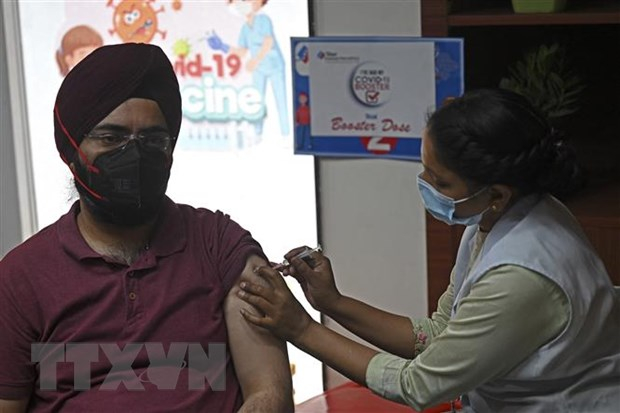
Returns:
point(273, 400)
point(13, 406)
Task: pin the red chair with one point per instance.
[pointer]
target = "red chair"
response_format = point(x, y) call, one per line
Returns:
point(353, 398)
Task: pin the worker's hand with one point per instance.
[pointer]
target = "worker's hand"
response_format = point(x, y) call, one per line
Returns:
point(316, 280)
point(283, 315)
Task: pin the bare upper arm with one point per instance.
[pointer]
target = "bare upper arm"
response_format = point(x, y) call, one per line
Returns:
point(260, 359)
point(13, 406)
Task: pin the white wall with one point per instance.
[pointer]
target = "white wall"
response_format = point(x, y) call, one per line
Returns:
point(372, 218)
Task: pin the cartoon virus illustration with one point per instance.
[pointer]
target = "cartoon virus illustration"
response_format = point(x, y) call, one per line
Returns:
point(181, 47)
point(136, 21)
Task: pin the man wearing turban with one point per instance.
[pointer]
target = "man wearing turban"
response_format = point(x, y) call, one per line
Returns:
point(129, 301)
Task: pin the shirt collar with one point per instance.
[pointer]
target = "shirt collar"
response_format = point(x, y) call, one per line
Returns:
point(510, 219)
point(70, 237)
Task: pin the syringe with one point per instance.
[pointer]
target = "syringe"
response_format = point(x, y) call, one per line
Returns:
point(305, 255)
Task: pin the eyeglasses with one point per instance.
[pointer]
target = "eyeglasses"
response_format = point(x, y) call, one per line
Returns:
point(151, 140)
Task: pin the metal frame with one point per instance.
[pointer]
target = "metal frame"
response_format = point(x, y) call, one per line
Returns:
point(19, 118)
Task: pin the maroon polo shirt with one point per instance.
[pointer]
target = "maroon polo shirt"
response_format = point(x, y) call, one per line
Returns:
point(55, 289)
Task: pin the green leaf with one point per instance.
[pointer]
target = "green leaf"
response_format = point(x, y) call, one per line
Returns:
point(544, 77)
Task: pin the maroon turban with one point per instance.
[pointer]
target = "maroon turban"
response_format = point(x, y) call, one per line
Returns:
point(106, 78)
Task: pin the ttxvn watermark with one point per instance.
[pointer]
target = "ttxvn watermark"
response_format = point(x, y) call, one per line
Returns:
point(162, 368)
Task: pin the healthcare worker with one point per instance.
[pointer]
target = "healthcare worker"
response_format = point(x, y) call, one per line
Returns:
point(530, 320)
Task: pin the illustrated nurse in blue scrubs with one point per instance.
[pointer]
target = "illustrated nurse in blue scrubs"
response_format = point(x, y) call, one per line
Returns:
point(266, 62)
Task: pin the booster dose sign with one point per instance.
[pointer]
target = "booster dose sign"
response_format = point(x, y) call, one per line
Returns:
point(368, 97)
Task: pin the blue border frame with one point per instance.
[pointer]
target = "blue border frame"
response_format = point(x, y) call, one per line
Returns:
point(449, 82)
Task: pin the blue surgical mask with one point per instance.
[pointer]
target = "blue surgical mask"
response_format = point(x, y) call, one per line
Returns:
point(442, 207)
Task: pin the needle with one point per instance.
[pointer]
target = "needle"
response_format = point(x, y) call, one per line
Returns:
point(304, 255)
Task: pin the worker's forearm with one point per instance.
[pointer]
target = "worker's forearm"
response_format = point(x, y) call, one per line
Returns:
point(342, 354)
point(390, 332)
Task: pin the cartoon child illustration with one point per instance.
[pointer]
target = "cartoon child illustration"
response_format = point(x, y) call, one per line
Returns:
point(302, 122)
point(266, 61)
point(75, 45)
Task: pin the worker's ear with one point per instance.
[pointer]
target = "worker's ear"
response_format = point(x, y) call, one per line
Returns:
point(501, 196)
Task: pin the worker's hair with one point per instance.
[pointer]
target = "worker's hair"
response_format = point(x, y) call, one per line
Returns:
point(495, 136)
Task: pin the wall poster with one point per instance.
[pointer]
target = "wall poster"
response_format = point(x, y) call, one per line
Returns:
point(368, 96)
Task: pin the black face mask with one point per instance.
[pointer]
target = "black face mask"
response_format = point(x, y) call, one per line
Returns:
point(131, 182)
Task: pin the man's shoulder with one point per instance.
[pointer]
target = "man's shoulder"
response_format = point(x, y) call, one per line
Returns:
point(190, 210)
point(32, 253)
point(207, 224)
point(202, 215)
point(38, 242)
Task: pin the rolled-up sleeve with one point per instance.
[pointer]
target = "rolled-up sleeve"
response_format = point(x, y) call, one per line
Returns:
point(383, 375)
